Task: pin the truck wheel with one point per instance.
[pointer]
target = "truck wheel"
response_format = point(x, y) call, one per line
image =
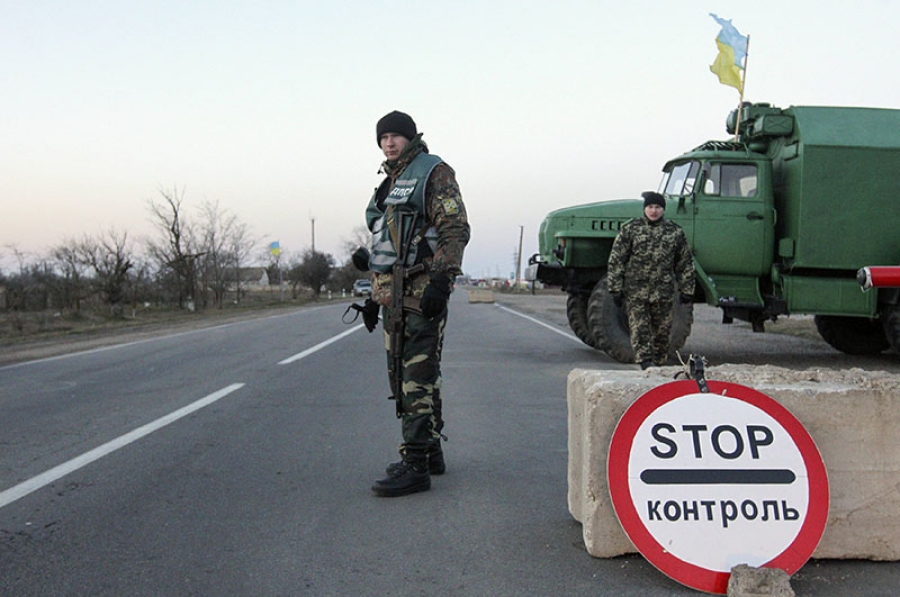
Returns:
point(609, 324)
point(890, 319)
point(681, 328)
point(576, 311)
point(852, 335)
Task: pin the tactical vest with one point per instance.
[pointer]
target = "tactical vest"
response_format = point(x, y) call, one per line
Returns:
point(401, 224)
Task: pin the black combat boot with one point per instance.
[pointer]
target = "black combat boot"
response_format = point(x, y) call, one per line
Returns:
point(409, 477)
point(436, 465)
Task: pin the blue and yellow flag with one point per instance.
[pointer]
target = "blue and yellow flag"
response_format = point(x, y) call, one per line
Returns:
point(732, 54)
point(275, 248)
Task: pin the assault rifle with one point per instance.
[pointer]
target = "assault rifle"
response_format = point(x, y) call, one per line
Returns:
point(396, 327)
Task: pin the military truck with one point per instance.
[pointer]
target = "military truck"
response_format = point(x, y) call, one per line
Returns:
point(780, 219)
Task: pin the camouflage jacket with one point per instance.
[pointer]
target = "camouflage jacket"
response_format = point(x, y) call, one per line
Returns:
point(649, 259)
point(445, 211)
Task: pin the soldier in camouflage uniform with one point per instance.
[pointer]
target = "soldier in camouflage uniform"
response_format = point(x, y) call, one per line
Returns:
point(648, 258)
point(434, 234)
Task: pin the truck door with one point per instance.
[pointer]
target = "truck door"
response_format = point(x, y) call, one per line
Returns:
point(733, 220)
point(678, 184)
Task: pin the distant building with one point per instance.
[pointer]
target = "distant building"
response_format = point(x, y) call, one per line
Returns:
point(251, 278)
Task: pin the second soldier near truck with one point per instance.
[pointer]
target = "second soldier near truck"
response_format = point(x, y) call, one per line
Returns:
point(649, 265)
point(419, 206)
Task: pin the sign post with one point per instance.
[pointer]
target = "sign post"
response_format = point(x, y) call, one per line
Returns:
point(705, 480)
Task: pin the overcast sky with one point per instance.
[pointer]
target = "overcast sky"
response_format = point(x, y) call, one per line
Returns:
point(269, 108)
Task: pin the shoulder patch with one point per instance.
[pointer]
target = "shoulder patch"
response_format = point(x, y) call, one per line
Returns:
point(451, 207)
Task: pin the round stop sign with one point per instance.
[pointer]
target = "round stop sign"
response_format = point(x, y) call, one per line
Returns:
point(704, 481)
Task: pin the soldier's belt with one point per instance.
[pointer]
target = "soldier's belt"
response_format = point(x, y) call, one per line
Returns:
point(411, 303)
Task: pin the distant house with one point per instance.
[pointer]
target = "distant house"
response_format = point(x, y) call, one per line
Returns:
point(249, 277)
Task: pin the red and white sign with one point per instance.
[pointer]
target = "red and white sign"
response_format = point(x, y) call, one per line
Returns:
point(702, 482)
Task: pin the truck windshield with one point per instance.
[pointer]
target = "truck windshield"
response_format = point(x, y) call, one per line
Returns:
point(680, 179)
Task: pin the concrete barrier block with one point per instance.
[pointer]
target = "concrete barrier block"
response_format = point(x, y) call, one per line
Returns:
point(853, 416)
point(481, 295)
point(746, 581)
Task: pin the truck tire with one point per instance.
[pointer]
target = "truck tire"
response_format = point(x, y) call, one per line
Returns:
point(852, 335)
point(609, 324)
point(576, 312)
point(890, 319)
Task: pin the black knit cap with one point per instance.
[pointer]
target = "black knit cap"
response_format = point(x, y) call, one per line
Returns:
point(653, 198)
point(395, 122)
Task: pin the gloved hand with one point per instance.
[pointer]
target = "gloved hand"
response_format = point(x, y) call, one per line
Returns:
point(617, 298)
point(369, 312)
point(436, 295)
point(360, 259)
point(686, 299)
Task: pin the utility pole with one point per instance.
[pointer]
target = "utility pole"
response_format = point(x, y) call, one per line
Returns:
point(313, 221)
point(280, 277)
point(519, 258)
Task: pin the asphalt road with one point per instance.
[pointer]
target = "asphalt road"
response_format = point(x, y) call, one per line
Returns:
point(237, 460)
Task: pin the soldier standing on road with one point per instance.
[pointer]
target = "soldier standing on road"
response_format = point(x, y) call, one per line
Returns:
point(648, 258)
point(418, 206)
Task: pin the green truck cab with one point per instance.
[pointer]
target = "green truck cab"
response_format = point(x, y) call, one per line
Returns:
point(780, 220)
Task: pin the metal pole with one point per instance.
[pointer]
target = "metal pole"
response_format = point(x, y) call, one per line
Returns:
point(519, 259)
point(737, 126)
point(280, 277)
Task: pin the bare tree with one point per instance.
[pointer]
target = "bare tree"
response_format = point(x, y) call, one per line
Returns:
point(225, 243)
point(342, 277)
point(216, 261)
point(21, 257)
point(109, 256)
point(175, 251)
point(242, 244)
point(29, 289)
point(141, 287)
point(74, 285)
point(359, 237)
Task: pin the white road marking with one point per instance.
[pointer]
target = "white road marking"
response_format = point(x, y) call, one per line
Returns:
point(546, 325)
point(22, 489)
point(318, 347)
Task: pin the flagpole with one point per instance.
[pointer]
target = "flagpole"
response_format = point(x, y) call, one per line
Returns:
point(737, 126)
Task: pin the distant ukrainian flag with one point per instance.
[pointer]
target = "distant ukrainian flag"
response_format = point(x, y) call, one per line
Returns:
point(275, 248)
point(732, 54)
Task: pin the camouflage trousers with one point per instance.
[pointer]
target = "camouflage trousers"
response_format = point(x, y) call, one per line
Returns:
point(650, 324)
point(421, 419)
